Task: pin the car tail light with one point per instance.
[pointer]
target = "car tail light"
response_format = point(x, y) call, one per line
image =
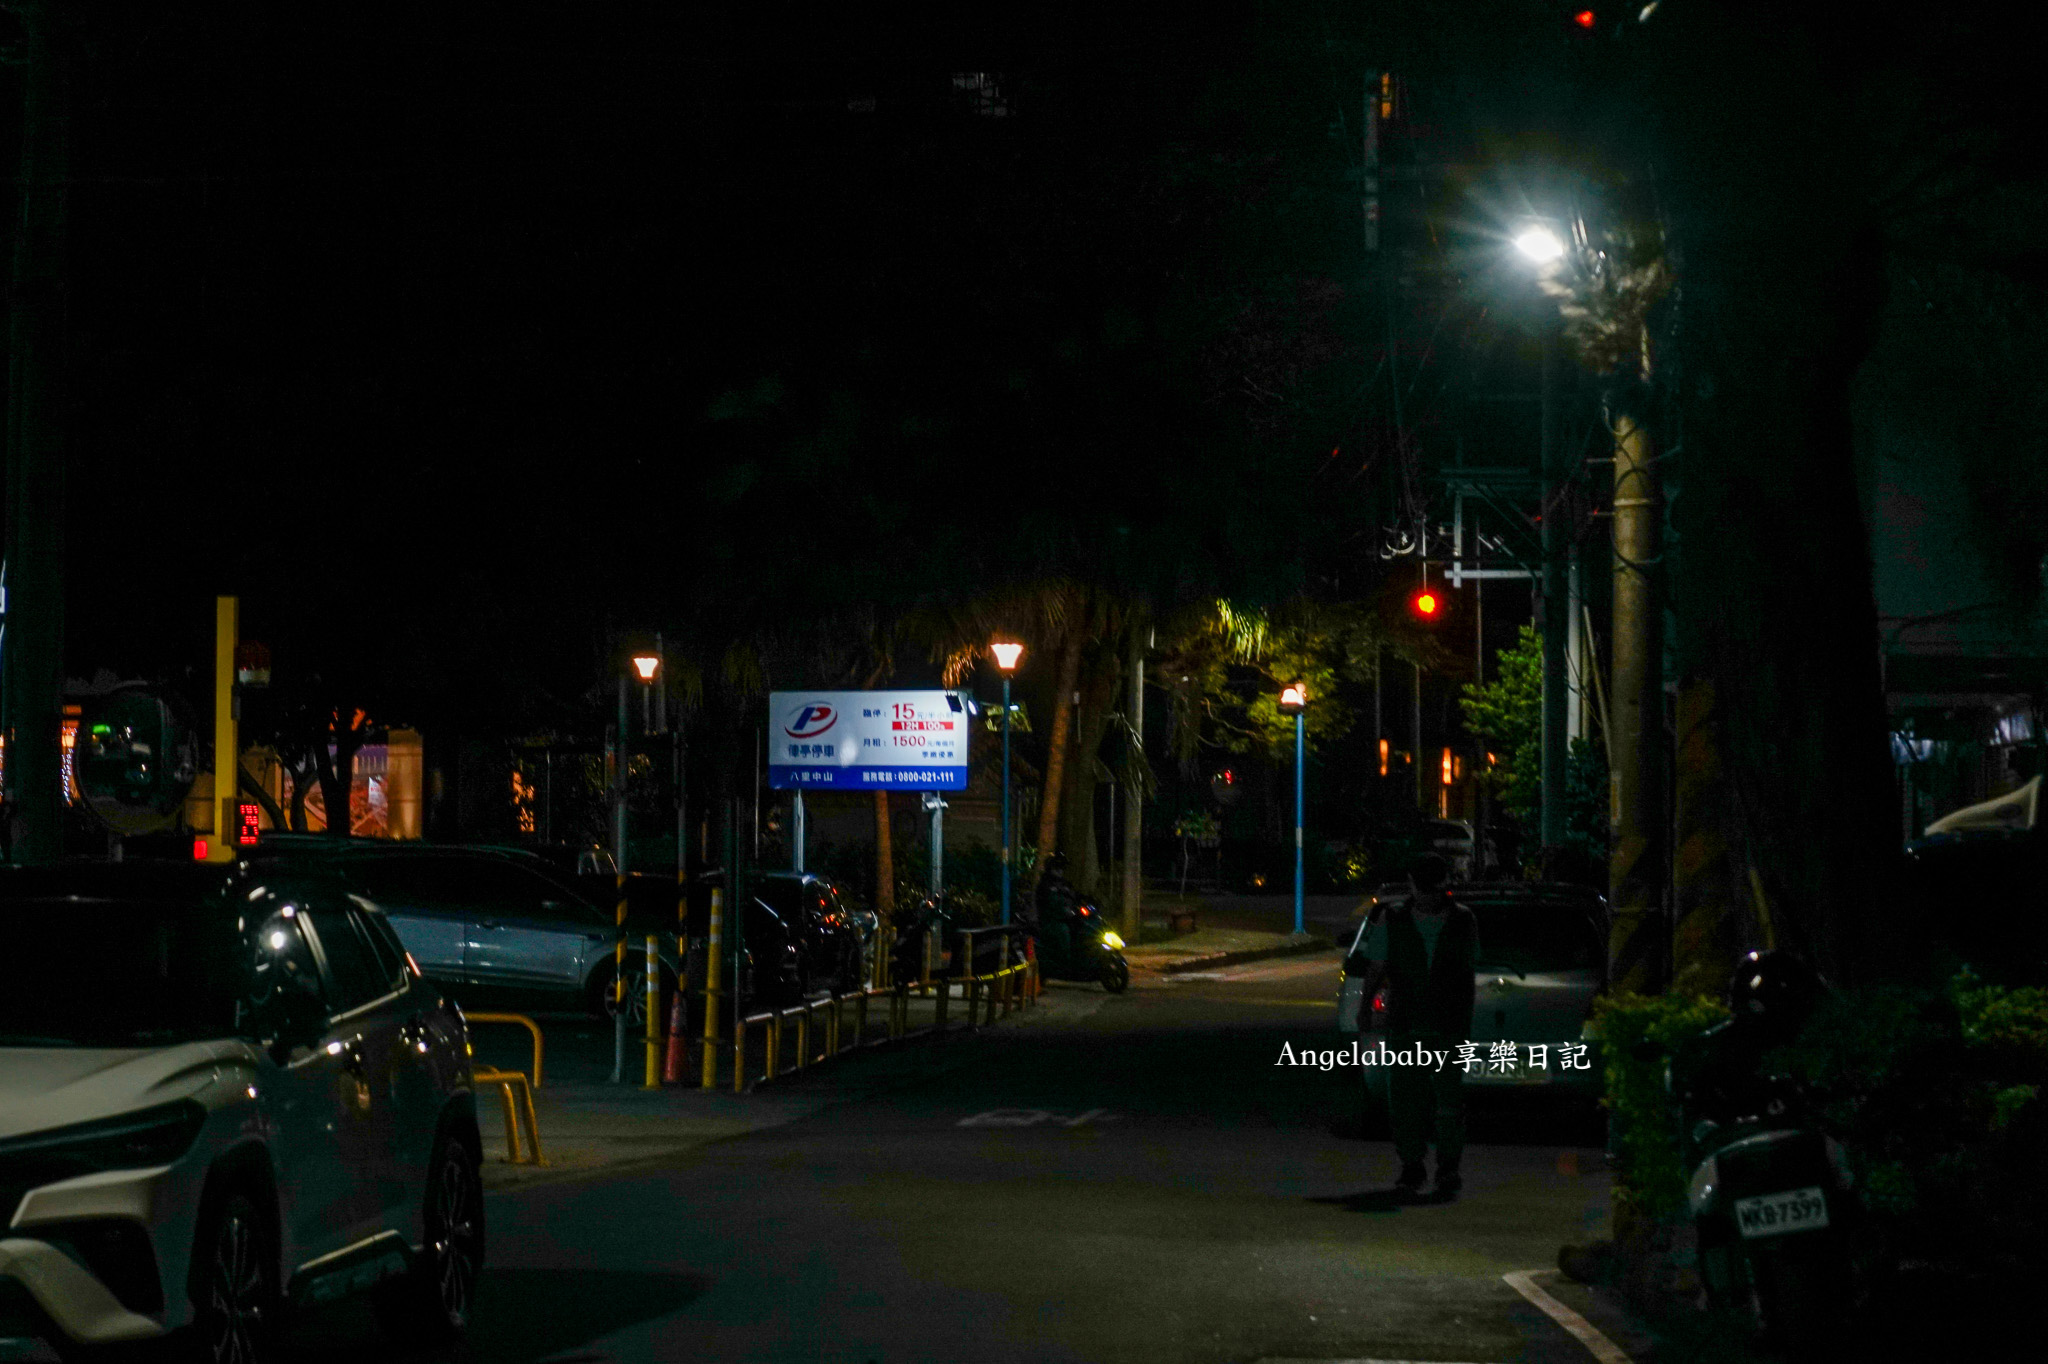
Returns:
point(1379, 1001)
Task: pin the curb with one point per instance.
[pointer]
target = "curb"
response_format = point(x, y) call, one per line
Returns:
point(1215, 959)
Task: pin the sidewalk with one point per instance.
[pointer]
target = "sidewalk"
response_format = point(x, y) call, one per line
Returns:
point(1206, 948)
point(590, 1126)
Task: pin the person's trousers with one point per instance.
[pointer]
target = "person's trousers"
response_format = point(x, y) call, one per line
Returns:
point(1425, 1103)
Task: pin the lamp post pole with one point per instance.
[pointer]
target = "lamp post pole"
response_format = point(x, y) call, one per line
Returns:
point(1300, 790)
point(1006, 798)
point(1294, 701)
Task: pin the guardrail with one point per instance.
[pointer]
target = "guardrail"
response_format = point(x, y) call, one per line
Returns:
point(989, 989)
point(506, 1081)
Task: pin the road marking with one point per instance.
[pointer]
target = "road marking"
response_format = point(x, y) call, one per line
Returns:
point(1523, 1281)
point(1032, 1117)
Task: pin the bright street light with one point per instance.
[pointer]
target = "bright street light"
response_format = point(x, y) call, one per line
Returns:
point(647, 665)
point(1007, 655)
point(1539, 244)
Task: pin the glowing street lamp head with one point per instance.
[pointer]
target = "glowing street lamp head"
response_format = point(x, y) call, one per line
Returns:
point(1293, 699)
point(647, 665)
point(1539, 244)
point(1006, 655)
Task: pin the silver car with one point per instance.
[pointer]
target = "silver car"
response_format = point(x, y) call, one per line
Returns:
point(489, 918)
point(247, 1099)
point(1541, 962)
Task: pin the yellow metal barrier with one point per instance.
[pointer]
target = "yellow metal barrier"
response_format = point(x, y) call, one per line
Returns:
point(507, 1081)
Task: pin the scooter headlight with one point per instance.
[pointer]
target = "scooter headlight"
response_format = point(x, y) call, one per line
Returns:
point(1113, 939)
point(1705, 1182)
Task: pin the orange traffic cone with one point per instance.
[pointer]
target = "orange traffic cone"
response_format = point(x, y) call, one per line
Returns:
point(672, 1061)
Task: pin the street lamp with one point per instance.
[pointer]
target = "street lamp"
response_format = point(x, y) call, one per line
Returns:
point(1007, 656)
point(1294, 701)
point(1540, 244)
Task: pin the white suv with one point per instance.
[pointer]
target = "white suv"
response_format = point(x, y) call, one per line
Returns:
point(221, 1095)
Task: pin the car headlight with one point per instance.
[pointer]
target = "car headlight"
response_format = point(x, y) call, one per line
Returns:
point(1699, 1194)
point(1113, 939)
point(133, 1141)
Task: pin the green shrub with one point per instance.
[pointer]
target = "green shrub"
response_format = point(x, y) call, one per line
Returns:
point(1650, 1175)
point(1935, 1094)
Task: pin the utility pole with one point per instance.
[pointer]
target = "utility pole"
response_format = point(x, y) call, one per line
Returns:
point(32, 683)
point(1555, 606)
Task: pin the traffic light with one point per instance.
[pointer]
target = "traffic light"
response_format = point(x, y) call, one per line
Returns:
point(1426, 605)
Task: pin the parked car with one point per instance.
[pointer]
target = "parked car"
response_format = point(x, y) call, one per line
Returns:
point(801, 924)
point(241, 1097)
point(483, 919)
point(1542, 959)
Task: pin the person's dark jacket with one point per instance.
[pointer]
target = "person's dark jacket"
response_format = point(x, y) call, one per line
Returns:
point(1425, 995)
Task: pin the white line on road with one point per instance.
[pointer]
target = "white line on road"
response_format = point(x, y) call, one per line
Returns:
point(1606, 1351)
point(1274, 1359)
point(1032, 1117)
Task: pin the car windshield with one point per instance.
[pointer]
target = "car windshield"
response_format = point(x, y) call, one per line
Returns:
point(117, 973)
point(1523, 937)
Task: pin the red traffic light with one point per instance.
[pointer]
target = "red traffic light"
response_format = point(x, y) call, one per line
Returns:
point(1425, 604)
point(1585, 18)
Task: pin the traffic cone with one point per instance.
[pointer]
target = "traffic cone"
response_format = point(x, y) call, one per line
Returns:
point(672, 1061)
point(1031, 954)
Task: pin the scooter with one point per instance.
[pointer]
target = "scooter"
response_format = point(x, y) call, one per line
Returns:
point(1096, 952)
point(914, 936)
point(1770, 1192)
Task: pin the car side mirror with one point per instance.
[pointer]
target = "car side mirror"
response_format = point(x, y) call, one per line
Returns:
point(292, 1016)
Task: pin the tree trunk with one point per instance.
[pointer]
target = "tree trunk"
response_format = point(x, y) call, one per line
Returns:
point(885, 858)
point(1077, 807)
point(1057, 744)
point(1132, 896)
point(1783, 275)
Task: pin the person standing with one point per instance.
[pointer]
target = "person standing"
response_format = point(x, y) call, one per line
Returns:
point(1056, 899)
point(1424, 952)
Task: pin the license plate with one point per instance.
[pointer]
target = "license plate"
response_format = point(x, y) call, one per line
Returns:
point(1775, 1214)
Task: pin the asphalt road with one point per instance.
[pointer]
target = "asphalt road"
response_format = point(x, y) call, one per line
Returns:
point(1135, 1180)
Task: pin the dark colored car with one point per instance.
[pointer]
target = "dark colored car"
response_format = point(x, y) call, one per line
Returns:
point(800, 922)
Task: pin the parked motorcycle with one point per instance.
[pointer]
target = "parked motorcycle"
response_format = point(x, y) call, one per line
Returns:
point(926, 928)
point(1770, 1192)
point(1094, 952)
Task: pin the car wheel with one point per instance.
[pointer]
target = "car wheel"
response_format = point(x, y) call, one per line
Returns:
point(430, 1304)
point(234, 1286)
point(603, 1002)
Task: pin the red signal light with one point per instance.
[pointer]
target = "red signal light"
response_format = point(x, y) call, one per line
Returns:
point(198, 850)
point(1426, 604)
point(1585, 18)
